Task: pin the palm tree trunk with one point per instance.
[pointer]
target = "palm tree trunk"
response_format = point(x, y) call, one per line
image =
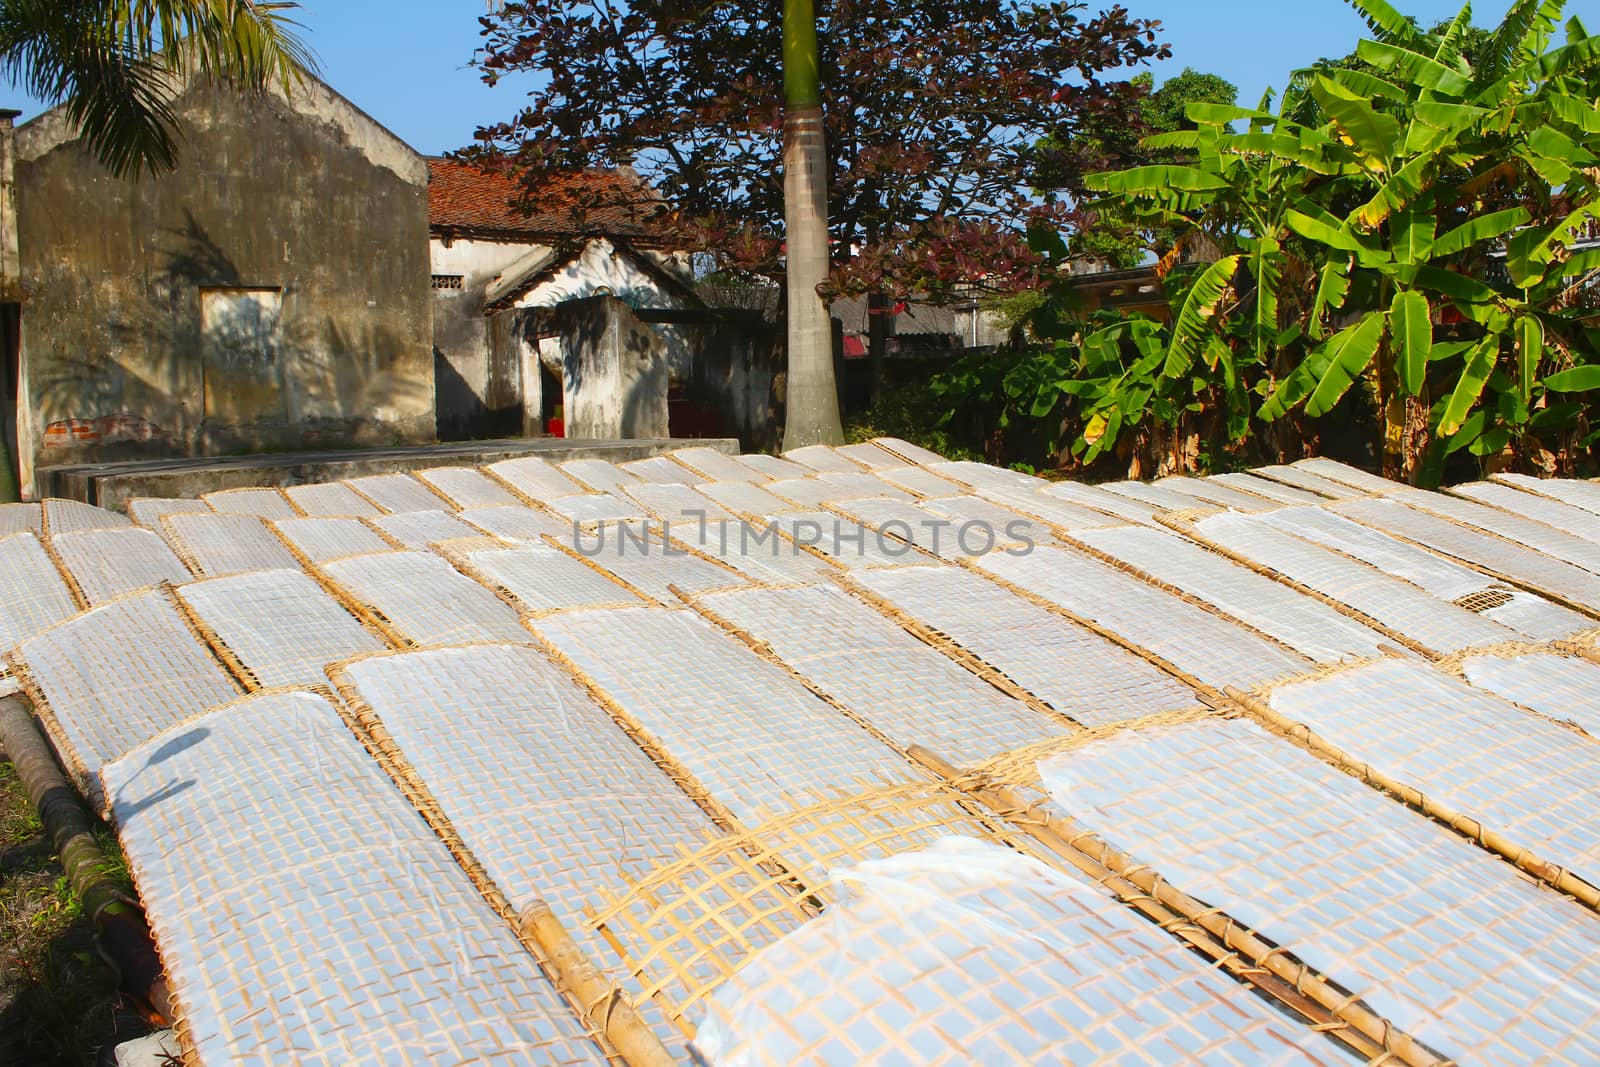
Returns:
point(813, 398)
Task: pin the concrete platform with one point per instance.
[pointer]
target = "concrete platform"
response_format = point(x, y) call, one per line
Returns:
point(112, 485)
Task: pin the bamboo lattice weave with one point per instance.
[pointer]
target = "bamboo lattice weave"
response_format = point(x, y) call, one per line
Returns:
point(466, 487)
point(659, 470)
point(967, 953)
point(598, 475)
point(544, 578)
point(32, 595)
point(70, 516)
point(534, 478)
point(718, 466)
point(595, 507)
point(751, 551)
point(1326, 470)
point(547, 792)
point(1206, 491)
point(396, 492)
point(262, 503)
point(1212, 649)
point(1570, 491)
point(1074, 670)
point(1437, 624)
point(281, 627)
point(742, 498)
point(981, 476)
point(1249, 483)
point(330, 927)
point(1155, 496)
point(322, 539)
point(1531, 780)
point(1518, 528)
point(1050, 508)
point(419, 529)
point(1444, 578)
point(906, 690)
point(933, 533)
point(852, 485)
point(21, 518)
point(676, 503)
point(1314, 482)
point(1009, 527)
point(516, 523)
point(114, 677)
point(425, 600)
point(149, 511)
point(1565, 517)
point(1564, 688)
point(871, 456)
point(106, 564)
point(822, 458)
point(1451, 944)
point(919, 481)
point(652, 566)
point(757, 740)
point(847, 542)
point(1098, 499)
point(218, 545)
point(1545, 573)
point(773, 466)
point(330, 500)
point(914, 454)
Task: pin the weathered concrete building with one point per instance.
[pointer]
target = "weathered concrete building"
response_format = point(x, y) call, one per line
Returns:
point(579, 318)
point(272, 291)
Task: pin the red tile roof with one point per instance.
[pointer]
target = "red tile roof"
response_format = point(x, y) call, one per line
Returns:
point(467, 200)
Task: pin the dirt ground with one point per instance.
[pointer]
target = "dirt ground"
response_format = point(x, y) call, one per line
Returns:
point(56, 996)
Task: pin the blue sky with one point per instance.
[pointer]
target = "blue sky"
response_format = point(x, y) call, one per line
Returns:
point(405, 62)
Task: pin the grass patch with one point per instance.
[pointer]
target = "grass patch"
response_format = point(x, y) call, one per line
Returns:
point(57, 997)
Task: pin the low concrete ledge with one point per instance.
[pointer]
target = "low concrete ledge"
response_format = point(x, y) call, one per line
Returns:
point(112, 485)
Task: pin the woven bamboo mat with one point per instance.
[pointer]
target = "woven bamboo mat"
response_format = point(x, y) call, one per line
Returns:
point(397, 492)
point(584, 508)
point(516, 523)
point(114, 677)
point(1075, 671)
point(420, 599)
point(1570, 491)
point(918, 481)
point(742, 498)
point(543, 578)
point(217, 545)
point(107, 564)
point(466, 487)
point(330, 926)
point(33, 595)
point(598, 475)
point(1524, 612)
point(1443, 939)
point(534, 478)
point(773, 466)
point(1009, 526)
point(656, 567)
point(756, 740)
point(1326, 470)
point(1562, 687)
point(1313, 481)
point(70, 516)
point(1249, 483)
point(752, 552)
point(21, 518)
point(546, 791)
point(1097, 499)
point(905, 690)
point(1517, 528)
point(1210, 648)
point(276, 628)
point(982, 476)
point(322, 539)
point(914, 454)
point(419, 529)
point(660, 470)
point(331, 500)
point(1520, 775)
point(845, 542)
point(871, 456)
point(1565, 517)
point(718, 466)
point(1208, 492)
point(933, 533)
point(1545, 574)
point(822, 458)
point(149, 511)
point(262, 503)
point(1438, 625)
point(676, 503)
point(968, 953)
point(1050, 508)
point(1154, 496)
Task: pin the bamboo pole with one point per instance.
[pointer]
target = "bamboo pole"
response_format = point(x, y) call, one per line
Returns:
point(122, 932)
point(1089, 854)
point(604, 1005)
point(1496, 842)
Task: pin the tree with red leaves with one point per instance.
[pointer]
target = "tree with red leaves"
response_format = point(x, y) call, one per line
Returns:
point(937, 115)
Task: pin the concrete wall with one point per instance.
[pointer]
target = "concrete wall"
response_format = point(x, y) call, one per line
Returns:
point(614, 371)
point(132, 308)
